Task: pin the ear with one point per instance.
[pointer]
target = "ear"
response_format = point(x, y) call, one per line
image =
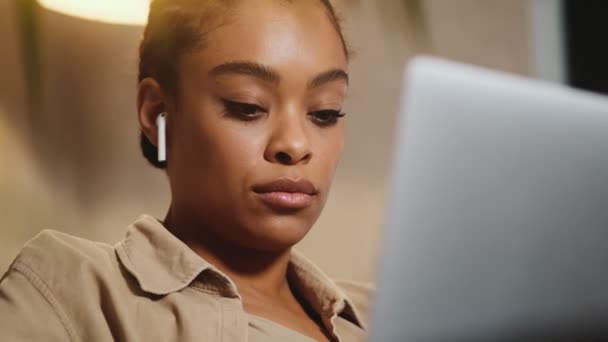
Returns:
point(151, 101)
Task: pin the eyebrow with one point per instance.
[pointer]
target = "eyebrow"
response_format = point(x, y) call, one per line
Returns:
point(246, 68)
point(269, 75)
point(328, 76)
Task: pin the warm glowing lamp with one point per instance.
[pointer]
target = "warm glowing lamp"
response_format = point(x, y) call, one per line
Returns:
point(126, 12)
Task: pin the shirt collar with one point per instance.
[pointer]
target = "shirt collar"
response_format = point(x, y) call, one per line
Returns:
point(163, 264)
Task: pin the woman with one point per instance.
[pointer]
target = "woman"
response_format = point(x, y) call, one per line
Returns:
point(251, 93)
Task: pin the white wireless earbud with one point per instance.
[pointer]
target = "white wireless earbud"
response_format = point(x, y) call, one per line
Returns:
point(161, 124)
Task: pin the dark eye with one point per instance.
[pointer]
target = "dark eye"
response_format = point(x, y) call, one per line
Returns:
point(242, 110)
point(326, 117)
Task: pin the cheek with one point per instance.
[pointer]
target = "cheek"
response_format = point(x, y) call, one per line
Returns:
point(237, 149)
point(223, 147)
point(331, 150)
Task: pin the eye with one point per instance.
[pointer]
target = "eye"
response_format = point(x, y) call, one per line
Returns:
point(243, 111)
point(326, 117)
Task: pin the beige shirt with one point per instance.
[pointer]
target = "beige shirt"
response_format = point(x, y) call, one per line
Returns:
point(152, 287)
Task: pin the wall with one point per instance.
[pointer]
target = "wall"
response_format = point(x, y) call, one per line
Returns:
point(75, 165)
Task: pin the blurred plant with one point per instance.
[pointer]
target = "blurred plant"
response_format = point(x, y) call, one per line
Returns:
point(414, 12)
point(395, 12)
point(27, 18)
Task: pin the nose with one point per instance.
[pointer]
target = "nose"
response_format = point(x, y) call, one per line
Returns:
point(289, 143)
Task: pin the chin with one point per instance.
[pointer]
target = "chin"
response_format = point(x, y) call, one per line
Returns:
point(277, 233)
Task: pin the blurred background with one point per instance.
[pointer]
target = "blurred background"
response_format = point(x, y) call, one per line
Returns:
point(69, 132)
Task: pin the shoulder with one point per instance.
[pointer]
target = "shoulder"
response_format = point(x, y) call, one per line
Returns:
point(64, 278)
point(51, 256)
point(51, 245)
point(359, 294)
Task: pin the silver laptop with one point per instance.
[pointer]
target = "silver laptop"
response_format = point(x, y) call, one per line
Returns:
point(497, 223)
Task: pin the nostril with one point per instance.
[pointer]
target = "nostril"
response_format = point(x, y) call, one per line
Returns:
point(283, 157)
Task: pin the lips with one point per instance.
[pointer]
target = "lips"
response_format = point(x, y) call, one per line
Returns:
point(285, 193)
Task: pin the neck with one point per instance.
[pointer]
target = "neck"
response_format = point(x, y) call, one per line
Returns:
point(262, 273)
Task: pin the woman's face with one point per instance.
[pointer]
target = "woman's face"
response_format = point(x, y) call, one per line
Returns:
point(256, 135)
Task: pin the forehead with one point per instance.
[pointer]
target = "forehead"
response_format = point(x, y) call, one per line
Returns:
point(286, 36)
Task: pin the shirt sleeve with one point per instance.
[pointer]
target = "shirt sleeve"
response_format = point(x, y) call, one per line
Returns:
point(27, 309)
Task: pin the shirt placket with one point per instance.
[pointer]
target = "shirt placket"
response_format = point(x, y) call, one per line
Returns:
point(233, 321)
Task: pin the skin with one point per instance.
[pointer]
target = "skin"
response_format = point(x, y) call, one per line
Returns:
point(216, 151)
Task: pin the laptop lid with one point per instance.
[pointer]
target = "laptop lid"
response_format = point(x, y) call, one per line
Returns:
point(497, 222)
